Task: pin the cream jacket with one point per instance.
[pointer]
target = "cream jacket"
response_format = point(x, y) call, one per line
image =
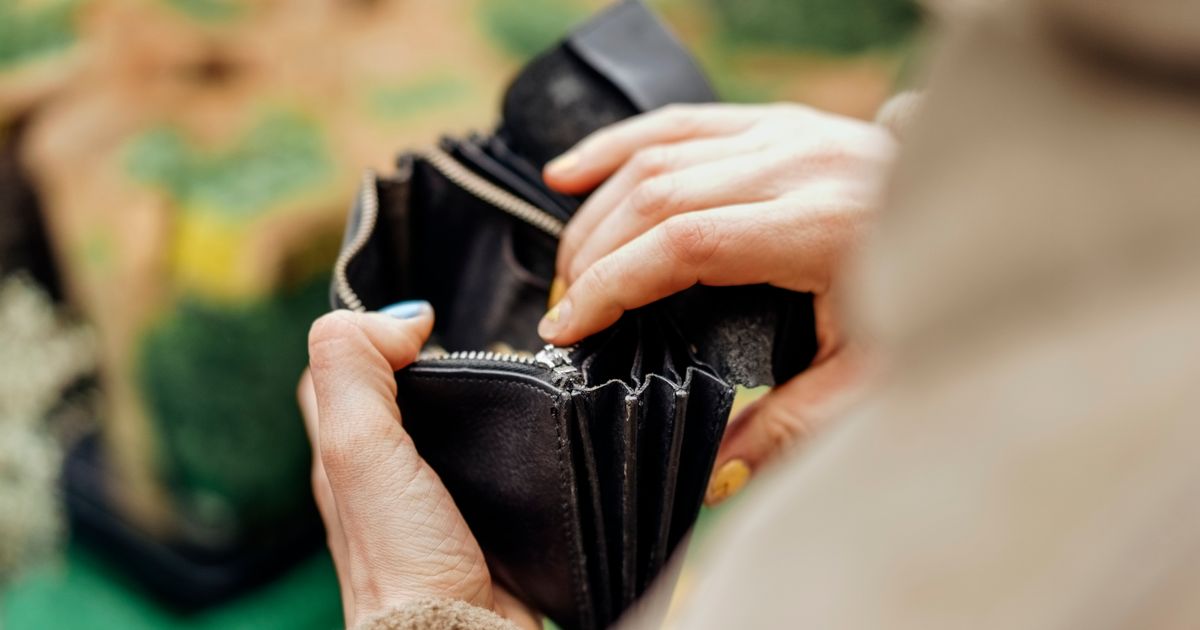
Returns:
point(1030, 458)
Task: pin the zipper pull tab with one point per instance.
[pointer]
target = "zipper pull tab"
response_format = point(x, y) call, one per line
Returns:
point(559, 361)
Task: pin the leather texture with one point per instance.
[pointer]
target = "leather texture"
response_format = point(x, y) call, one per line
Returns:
point(618, 43)
point(580, 479)
point(513, 479)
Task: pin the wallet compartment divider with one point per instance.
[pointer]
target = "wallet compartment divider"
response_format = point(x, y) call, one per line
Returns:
point(660, 419)
point(703, 427)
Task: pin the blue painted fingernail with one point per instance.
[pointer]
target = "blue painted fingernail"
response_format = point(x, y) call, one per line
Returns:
point(407, 310)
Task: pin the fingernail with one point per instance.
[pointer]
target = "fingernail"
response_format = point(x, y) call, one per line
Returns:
point(563, 164)
point(407, 310)
point(726, 481)
point(555, 320)
point(557, 289)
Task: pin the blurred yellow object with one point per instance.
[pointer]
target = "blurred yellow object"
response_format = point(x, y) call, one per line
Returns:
point(207, 257)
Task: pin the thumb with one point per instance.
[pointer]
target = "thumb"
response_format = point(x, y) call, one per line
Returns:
point(783, 418)
point(353, 358)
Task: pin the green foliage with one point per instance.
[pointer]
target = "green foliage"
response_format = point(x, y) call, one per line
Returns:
point(283, 155)
point(838, 26)
point(220, 387)
point(402, 101)
point(732, 85)
point(208, 10)
point(525, 28)
point(29, 30)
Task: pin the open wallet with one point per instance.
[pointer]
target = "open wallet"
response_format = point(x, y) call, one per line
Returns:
point(579, 470)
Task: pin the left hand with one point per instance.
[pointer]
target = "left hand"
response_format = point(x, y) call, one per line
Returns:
point(393, 529)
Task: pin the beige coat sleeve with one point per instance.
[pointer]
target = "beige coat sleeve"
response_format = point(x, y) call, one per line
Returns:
point(1029, 458)
point(438, 614)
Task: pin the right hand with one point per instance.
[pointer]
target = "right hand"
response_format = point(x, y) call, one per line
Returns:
point(722, 195)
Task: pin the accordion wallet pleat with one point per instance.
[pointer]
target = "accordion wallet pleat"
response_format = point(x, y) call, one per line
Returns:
point(659, 454)
point(613, 438)
point(592, 511)
point(518, 477)
point(579, 470)
point(709, 402)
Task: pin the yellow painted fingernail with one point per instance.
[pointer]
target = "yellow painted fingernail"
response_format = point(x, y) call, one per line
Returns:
point(727, 481)
point(563, 163)
point(555, 320)
point(557, 289)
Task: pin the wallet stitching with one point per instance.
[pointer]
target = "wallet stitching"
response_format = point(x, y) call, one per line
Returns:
point(560, 444)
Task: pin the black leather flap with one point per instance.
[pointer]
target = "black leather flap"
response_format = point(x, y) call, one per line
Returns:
point(505, 445)
point(629, 46)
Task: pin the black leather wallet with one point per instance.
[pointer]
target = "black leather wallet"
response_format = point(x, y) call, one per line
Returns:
point(579, 469)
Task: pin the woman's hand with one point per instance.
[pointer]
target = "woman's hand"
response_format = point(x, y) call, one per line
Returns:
point(721, 195)
point(394, 532)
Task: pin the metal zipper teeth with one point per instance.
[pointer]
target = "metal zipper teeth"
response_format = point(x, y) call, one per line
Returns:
point(553, 358)
point(491, 193)
point(478, 355)
point(369, 201)
point(455, 172)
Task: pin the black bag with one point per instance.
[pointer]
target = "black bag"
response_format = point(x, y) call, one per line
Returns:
point(580, 469)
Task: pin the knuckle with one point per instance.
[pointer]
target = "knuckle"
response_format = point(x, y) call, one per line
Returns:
point(340, 447)
point(689, 239)
point(835, 157)
point(652, 161)
point(328, 337)
point(316, 478)
point(680, 116)
point(568, 248)
point(576, 269)
point(568, 238)
point(821, 156)
point(653, 197)
point(322, 493)
point(782, 427)
point(599, 279)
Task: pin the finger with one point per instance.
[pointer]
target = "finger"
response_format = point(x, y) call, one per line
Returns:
point(782, 419)
point(353, 358)
point(747, 244)
point(323, 495)
point(725, 182)
point(306, 398)
point(645, 163)
point(335, 536)
point(399, 521)
point(600, 154)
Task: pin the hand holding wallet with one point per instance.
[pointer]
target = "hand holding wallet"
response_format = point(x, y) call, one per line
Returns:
point(581, 469)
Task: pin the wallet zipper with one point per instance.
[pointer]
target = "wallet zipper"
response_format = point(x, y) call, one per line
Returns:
point(369, 202)
point(486, 191)
point(449, 167)
point(553, 358)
